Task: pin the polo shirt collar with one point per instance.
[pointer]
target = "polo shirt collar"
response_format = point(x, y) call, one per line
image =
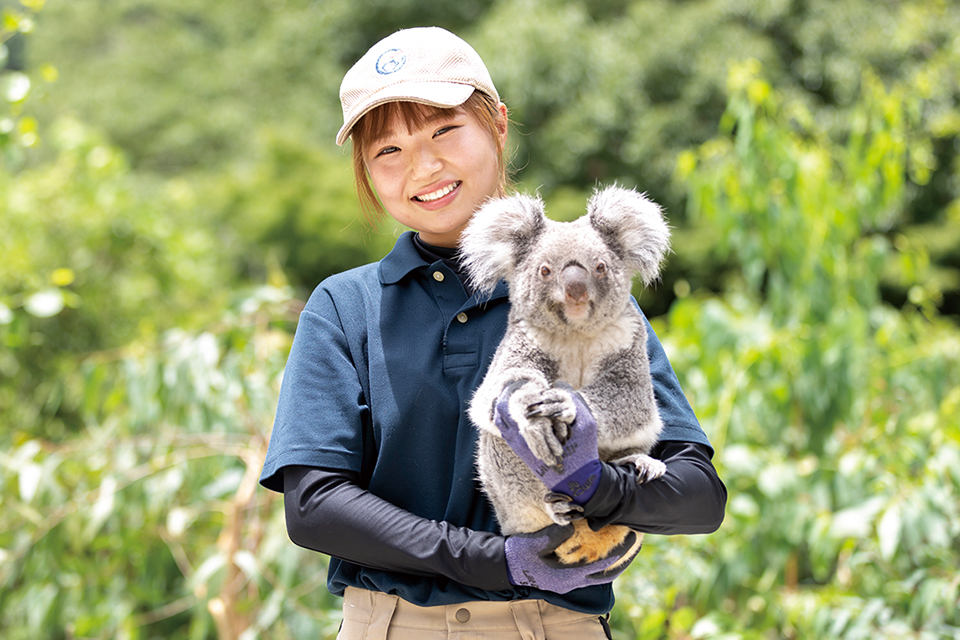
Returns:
point(401, 260)
point(404, 258)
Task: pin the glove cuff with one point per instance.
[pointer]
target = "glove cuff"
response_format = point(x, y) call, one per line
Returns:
point(518, 559)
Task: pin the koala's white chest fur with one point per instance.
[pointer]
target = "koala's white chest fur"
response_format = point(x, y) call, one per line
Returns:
point(580, 354)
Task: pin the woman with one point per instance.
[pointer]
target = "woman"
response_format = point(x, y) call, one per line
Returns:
point(372, 446)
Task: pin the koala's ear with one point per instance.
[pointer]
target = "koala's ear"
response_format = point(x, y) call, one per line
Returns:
point(633, 227)
point(498, 236)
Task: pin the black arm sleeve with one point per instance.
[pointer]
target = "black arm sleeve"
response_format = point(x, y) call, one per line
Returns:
point(688, 498)
point(327, 511)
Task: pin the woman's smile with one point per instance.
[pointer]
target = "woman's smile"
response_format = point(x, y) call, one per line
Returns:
point(439, 193)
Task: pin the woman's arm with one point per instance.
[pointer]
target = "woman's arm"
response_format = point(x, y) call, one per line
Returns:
point(688, 498)
point(327, 511)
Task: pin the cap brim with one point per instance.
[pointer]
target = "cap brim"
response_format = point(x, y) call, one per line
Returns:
point(445, 95)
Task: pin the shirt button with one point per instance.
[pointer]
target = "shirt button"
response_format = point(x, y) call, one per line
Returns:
point(438, 276)
point(462, 317)
point(462, 615)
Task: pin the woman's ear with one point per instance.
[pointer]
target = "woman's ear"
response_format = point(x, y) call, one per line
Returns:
point(502, 123)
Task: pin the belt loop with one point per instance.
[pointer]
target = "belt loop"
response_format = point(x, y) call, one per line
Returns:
point(381, 612)
point(526, 613)
point(605, 623)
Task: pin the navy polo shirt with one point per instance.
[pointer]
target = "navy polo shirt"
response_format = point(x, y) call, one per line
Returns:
point(383, 365)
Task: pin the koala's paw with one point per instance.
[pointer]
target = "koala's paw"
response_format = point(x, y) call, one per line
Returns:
point(647, 468)
point(560, 509)
point(539, 430)
point(557, 405)
point(542, 440)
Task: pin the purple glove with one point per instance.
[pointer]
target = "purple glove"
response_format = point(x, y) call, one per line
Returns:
point(575, 478)
point(531, 561)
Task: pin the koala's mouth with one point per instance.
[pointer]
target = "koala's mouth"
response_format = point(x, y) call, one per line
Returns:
point(439, 193)
point(576, 310)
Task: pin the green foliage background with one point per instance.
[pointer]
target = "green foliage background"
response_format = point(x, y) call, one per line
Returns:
point(170, 193)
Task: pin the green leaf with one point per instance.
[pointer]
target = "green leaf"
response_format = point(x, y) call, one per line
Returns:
point(247, 563)
point(29, 480)
point(888, 532)
point(207, 570)
point(855, 522)
point(102, 508)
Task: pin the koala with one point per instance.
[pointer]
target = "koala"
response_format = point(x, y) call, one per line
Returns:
point(571, 321)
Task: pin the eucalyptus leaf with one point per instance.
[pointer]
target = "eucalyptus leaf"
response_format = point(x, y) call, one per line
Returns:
point(857, 521)
point(207, 570)
point(29, 480)
point(247, 563)
point(888, 532)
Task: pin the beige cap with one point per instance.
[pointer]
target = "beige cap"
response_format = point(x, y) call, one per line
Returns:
point(428, 65)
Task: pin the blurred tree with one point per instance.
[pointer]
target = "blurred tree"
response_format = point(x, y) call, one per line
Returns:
point(834, 416)
point(149, 524)
point(602, 92)
point(297, 204)
point(91, 255)
point(139, 368)
point(17, 130)
point(368, 21)
point(180, 84)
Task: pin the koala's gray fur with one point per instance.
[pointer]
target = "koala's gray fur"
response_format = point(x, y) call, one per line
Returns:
point(572, 319)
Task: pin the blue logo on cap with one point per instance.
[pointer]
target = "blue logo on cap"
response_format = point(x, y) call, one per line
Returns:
point(390, 61)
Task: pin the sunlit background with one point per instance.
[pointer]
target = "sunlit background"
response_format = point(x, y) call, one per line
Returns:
point(170, 193)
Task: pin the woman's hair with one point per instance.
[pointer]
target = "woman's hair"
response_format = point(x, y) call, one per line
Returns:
point(415, 115)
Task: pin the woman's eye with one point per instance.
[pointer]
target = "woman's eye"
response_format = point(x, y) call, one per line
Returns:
point(386, 151)
point(443, 130)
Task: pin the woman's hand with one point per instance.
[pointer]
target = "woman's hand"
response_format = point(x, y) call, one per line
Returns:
point(574, 478)
point(532, 561)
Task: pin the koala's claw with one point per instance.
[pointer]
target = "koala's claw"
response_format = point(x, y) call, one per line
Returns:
point(649, 469)
point(560, 508)
point(540, 437)
point(534, 411)
point(555, 497)
point(557, 406)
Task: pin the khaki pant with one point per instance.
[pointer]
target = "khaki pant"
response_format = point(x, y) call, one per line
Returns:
point(370, 615)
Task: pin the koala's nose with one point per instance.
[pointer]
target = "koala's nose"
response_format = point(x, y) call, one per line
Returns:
point(574, 278)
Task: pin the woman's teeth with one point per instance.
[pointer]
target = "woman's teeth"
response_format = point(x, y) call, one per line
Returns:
point(436, 195)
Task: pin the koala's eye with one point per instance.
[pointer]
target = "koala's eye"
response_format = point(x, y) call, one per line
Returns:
point(601, 267)
point(545, 271)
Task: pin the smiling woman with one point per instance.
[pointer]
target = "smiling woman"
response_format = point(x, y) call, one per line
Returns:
point(372, 445)
point(414, 116)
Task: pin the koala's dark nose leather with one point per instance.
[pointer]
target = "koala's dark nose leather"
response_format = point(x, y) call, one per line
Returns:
point(574, 278)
